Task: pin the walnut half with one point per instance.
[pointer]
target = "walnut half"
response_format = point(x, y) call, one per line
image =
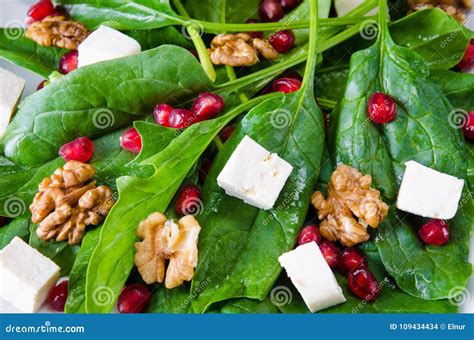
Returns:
point(164, 240)
point(352, 205)
point(68, 201)
point(455, 8)
point(57, 31)
point(239, 50)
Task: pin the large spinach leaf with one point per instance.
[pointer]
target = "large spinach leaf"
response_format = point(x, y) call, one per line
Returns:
point(439, 40)
point(99, 98)
point(18, 227)
point(421, 133)
point(24, 52)
point(239, 244)
point(170, 301)
point(119, 14)
point(429, 272)
point(112, 259)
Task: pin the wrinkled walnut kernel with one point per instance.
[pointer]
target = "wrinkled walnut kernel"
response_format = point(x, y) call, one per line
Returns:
point(455, 8)
point(57, 31)
point(352, 205)
point(164, 240)
point(68, 201)
point(239, 50)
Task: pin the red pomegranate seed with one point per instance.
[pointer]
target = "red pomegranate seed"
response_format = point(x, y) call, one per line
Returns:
point(288, 5)
point(41, 10)
point(80, 149)
point(282, 41)
point(57, 296)
point(181, 118)
point(468, 59)
point(68, 62)
point(309, 234)
point(207, 106)
point(226, 132)
point(468, 128)
point(204, 170)
point(162, 114)
point(257, 34)
point(435, 232)
point(363, 284)
point(270, 10)
point(352, 259)
point(331, 253)
point(286, 85)
point(292, 74)
point(382, 108)
point(41, 85)
point(131, 141)
point(189, 201)
point(133, 299)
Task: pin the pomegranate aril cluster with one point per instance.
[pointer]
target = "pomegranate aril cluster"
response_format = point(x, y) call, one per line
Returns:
point(363, 284)
point(435, 232)
point(275, 10)
point(40, 10)
point(68, 62)
point(57, 296)
point(131, 141)
point(282, 41)
point(381, 108)
point(189, 200)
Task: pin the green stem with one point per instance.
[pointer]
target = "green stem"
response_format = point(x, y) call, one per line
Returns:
point(195, 36)
point(276, 26)
point(311, 56)
point(218, 143)
point(326, 103)
point(231, 75)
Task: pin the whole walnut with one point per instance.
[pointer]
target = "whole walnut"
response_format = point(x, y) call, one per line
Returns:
point(351, 206)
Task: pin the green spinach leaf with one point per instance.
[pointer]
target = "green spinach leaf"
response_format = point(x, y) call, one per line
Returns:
point(24, 52)
point(99, 98)
point(112, 259)
point(234, 11)
point(457, 87)
point(149, 39)
point(18, 227)
point(122, 15)
point(421, 133)
point(170, 301)
point(248, 306)
point(77, 278)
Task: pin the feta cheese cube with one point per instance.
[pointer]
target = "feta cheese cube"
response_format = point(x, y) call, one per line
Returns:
point(105, 43)
point(312, 276)
point(26, 276)
point(429, 193)
point(254, 175)
point(11, 88)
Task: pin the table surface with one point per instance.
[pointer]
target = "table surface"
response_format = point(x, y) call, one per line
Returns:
point(14, 11)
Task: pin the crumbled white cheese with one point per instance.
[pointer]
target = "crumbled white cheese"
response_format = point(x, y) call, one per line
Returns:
point(254, 175)
point(429, 193)
point(26, 276)
point(312, 276)
point(105, 43)
point(11, 88)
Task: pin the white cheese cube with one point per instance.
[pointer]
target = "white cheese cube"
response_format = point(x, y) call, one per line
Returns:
point(254, 175)
point(312, 276)
point(429, 193)
point(11, 88)
point(105, 43)
point(26, 276)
